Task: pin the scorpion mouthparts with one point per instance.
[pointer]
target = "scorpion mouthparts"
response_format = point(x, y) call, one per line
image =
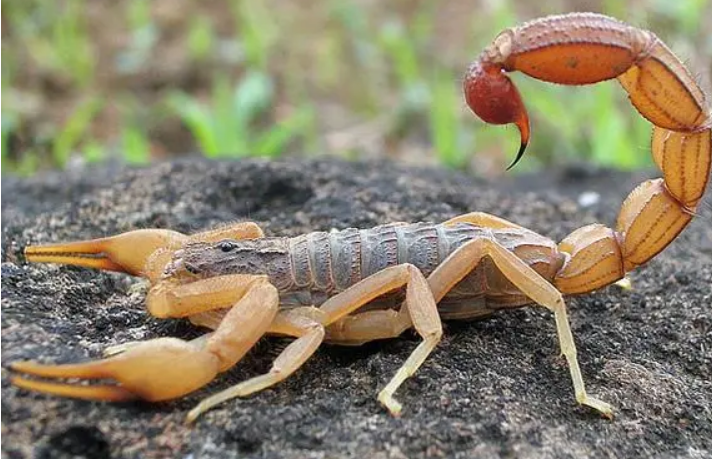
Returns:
point(175, 265)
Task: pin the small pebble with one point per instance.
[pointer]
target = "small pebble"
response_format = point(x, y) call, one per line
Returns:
point(588, 199)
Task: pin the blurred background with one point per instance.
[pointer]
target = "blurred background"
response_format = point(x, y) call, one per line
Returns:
point(137, 81)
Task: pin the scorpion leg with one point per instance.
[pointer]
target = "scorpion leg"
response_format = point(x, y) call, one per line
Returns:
point(168, 299)
point(309, 333)
point(357, 329)
point(166, 368)
point(208, 319)
point(202, 301)
point(482, 219)
point(352, 330)
point(463, 261)
point(421, 308)
point(242, 230)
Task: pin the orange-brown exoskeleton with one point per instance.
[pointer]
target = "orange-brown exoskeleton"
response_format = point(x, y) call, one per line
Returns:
point(354, 286)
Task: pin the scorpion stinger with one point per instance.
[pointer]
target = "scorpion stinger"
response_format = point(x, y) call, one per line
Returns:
point(493, 97)
point(520, 153)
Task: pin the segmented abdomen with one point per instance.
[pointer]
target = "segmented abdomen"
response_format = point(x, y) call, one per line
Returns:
point(332, 262)
point(324, 264)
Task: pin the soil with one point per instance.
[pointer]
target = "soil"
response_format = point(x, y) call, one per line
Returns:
point(493, 388)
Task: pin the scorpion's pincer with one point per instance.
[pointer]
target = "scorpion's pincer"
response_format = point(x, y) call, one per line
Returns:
point(127, 252)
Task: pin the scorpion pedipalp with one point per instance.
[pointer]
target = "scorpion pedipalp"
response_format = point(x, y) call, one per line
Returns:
point(155, 370)
point(127, 252)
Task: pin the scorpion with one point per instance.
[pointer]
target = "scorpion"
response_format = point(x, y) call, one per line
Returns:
point(353, 286)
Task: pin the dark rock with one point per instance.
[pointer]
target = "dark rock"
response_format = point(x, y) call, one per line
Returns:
point(492, 388)
point(75, 442)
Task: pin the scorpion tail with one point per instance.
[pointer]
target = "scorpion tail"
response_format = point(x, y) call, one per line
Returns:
point(492, 96)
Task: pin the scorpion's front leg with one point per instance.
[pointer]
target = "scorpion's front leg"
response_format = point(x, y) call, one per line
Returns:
point(585, 48)
point(167, 368)
point(241, 230)
point(301, 323)
point(308, 325)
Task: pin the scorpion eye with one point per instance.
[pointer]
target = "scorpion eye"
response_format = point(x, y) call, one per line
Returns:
point(226, 246)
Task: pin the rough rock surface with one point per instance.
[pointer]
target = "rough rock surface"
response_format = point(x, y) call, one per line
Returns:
point(494, 388)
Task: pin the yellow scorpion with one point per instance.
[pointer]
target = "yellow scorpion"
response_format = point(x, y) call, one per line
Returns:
point(354, 286)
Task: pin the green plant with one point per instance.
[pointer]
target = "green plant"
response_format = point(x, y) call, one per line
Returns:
point(257, 31)
point(592, 122)
point(229, 126)
point(452, 142)
point(685, 15)
point(144, 35)
point(357, 49)
point(200, 38)
point(393, 67)
point(135, 146)
point(56, 37)
point(432, 95)
point(93, 151)
point(74, 130)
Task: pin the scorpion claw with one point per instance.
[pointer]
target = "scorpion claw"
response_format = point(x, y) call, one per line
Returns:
point(102, 393)
point(160, 369)
point(127, 252)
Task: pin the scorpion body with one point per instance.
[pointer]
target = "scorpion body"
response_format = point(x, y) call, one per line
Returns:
point(309, 269)
point(355, 286)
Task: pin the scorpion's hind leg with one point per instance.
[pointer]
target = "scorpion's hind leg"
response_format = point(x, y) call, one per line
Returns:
point(421, 308)
point(469, 255)
point(167, 368)
point(306, 325)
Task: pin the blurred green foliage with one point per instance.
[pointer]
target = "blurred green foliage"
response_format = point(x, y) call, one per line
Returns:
point(228, 125)
point(233, 78)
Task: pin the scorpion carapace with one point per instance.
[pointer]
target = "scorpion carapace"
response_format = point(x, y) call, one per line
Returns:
point(354, 286)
